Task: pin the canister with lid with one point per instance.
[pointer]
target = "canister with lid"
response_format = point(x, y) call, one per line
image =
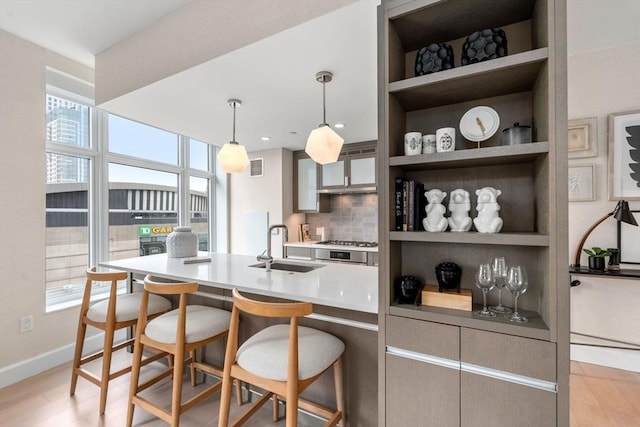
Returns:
point(517, 134)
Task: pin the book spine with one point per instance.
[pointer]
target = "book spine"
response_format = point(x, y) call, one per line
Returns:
point(398, 204)
point(405, 207)
point(411, 206)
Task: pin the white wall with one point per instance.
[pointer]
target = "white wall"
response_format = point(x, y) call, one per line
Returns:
point(22, 197)
point(602, 82)
point(272, 193)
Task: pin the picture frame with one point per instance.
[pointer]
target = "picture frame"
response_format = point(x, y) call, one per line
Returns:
point(628, 236)
point(582, 138)
point(581, 183)
point(624, 156)
point(305, 234)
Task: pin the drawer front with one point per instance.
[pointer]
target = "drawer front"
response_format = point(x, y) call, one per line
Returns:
point(517, 355)
point(421, 394)
point(491, 402)
point(296, 252)
point(423, 337)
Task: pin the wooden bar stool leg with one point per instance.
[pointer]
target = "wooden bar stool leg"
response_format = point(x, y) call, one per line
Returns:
point(338, 380)
point(178, 369)
point(106, 366)
point(239, 392)
point(276, 408)
point(192, 368)
point(77, 355)
point(135, 377)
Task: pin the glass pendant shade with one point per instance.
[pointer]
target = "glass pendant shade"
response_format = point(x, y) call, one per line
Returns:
point(233, 158)
point(324, 145)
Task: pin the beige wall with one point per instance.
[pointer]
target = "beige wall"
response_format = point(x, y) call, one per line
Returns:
point(600, 83)
point(22, 197)
point(272, 192)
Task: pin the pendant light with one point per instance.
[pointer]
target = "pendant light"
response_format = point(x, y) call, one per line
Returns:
point(233, 156)
point(324, 144)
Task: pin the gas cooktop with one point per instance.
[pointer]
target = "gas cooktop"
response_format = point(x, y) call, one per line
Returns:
point(349, 243)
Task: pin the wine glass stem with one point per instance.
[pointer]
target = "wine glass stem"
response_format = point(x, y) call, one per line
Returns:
point(484, 299)
point(499, 297)
point(515, 307)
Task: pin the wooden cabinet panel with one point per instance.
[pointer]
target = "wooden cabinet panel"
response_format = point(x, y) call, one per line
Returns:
point(428, 338)
point(522, 356)
point(421, 394)
point(492, 402)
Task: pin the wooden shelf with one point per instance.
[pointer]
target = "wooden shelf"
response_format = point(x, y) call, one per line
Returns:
point(419, 23)
point(535, 328)
point(472, 237)
point(489, 156)
point(500, 76)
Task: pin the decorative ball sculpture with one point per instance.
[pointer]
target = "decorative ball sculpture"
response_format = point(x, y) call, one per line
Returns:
point(484, 45)
point(488, 220)
point(435, 220)
point(433, 58)
point(459, 206)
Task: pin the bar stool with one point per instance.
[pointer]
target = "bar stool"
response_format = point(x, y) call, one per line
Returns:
point(281, 359)
point(180, 331)
point(116, 312)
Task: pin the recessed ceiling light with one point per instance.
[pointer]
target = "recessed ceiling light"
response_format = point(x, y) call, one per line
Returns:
point(265, 138)
point(339, 125)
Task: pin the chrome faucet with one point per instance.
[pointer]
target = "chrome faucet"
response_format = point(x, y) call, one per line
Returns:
point(268, 259)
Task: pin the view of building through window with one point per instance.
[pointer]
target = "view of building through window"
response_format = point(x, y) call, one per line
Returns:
point(144, 198)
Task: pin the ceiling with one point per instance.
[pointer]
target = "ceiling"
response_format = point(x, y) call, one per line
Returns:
point(275, 77)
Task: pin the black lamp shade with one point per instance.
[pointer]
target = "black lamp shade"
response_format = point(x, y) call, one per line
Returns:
point(622, 213)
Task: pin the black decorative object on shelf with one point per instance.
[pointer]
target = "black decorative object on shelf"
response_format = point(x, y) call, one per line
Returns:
point(448, 275)
point(433, 58)
point(484, 45)
point(408, 290)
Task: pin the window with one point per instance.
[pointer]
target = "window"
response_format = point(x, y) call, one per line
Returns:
point(155, 180)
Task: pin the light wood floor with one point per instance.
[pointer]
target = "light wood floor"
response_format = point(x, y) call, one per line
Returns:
point(600, 397)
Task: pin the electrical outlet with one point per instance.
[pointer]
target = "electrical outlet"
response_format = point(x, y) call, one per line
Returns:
point(319, 230)
point(26, 324)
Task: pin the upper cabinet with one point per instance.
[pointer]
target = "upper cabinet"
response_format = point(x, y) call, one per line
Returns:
point(306, 175)
point(355, 169)
point(527, 86)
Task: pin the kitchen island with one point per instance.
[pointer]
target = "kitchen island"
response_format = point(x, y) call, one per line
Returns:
point(345, 299)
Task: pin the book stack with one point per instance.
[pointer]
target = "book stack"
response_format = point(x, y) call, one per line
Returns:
point(409, 204)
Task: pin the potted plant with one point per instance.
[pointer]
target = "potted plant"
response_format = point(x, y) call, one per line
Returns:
point(596, 258)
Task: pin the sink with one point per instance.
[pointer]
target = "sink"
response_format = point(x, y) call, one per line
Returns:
point(290, 266)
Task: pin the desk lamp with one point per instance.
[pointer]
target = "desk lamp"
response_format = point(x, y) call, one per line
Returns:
point(621, 213)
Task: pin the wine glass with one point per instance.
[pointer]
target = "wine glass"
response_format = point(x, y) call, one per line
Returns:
point(499, 274)
point(485, 283)
point(517, 283)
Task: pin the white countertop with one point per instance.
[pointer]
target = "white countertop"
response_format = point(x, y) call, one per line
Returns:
point(347, 286)
point(316, 245)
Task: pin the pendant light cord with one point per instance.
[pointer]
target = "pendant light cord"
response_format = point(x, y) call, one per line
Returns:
point(234, 123)
point(324, 105)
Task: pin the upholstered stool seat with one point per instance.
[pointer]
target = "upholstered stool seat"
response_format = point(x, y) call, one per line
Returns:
point(283, 360)
point(265, 354)
point(116, 312)
point(202, 323)
point(127, 307)
point(177, 332)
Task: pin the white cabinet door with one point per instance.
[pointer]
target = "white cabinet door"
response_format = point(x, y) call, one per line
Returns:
point(307, 185)
point(362, 171)
point(333, 174)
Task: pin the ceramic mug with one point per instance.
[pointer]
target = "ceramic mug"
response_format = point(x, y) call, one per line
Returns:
point(412, 143)
point(445, 140)
point(428, 144)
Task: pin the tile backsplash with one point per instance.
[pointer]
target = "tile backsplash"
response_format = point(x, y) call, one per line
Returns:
point(352, 217)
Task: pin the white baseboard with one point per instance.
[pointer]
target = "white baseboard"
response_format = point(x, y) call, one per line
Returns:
point(629, 360)
point(30, 367)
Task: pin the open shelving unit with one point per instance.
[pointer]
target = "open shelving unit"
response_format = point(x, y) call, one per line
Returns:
point(529, 87)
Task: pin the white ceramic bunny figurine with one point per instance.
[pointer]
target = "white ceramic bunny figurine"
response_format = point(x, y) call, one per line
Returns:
point(435, 220)
point(488, 220)
point(459, 206)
